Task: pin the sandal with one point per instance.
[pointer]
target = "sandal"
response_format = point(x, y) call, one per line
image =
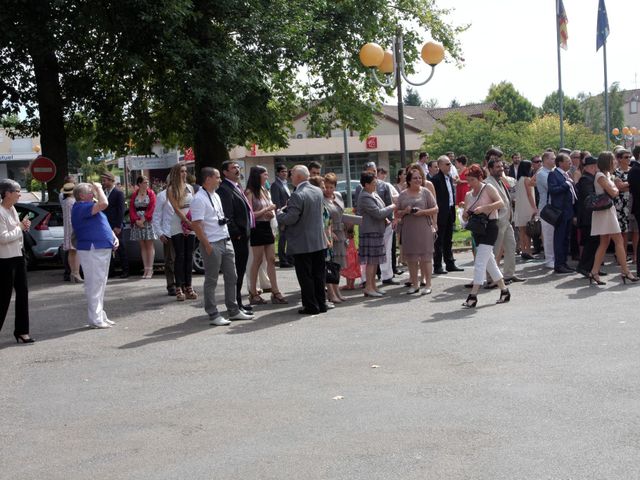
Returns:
point(471, 302)
point(180, 297)
point(190, 293)
point(255, 299)
point(278, 299)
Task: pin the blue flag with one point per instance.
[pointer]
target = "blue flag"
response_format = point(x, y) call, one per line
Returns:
point(603, 25)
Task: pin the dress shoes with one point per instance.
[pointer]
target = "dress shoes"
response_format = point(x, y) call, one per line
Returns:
point(375, 293)
point(100, 325)
point(514, 279)
point(219, 321)
point(563, 270)
point(439, 271)
point(425, 291)
point(454, 268)
point(241, 316)
point(390, 281)
point(171, 291)
point(285, 265)
point(306, 311)
point(246, 308)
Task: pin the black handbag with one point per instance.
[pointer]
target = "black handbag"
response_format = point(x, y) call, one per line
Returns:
point(477, 223)
point(552, 215)
point(332, 275)
point(595, 202)
point(534, 227)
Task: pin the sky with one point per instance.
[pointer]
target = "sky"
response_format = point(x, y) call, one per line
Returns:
point(515, 40)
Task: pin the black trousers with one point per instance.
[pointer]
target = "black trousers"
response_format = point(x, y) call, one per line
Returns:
point(589, 246)
point(442, 248)
point(14, 277)
point(310, 271)
point(241, 248)
point(183, 263)
point(638, 249)
point(121, 255)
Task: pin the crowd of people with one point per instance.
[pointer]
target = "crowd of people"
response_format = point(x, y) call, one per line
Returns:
point(561, 205)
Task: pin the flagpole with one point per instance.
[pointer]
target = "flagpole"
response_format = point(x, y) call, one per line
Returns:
point(606, 95)
point(560, 95)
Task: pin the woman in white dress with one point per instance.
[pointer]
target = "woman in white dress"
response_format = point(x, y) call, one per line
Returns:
point(525, 207)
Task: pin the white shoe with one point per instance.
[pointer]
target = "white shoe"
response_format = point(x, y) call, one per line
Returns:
point(241, 316)
point(100, 325)
point(330, 305)
point(425, 291)
point(219, 321)
point(109, 322)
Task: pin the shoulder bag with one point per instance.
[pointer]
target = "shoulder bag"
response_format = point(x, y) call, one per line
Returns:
point(595, 202)
point(477, 223)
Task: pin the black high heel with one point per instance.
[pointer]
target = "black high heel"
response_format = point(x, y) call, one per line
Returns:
point(21, 338)
point(593, 279)
point(505, 296)
point(628, 276)
point(471, 301)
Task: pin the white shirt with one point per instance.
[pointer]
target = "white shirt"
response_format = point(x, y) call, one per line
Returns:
point(448, 181)
point(162, 214)
point(207, 208)
point(10, 234)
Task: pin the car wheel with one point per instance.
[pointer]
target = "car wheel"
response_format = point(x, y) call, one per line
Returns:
point(30, 259)
point(198, 261)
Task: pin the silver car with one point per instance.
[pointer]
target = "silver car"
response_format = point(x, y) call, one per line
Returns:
point(46, 230)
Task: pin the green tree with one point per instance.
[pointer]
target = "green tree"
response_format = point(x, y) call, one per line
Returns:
point(412, 98)
point(511, 102)
point(571, 107)
point(592, 107)
point(454, 103)
point(430, 103)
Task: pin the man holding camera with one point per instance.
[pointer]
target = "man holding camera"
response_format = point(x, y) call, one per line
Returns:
point(210, 226)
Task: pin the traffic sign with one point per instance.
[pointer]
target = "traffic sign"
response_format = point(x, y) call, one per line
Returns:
point(43, 169)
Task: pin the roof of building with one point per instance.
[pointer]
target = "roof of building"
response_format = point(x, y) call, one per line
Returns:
point(424, 120)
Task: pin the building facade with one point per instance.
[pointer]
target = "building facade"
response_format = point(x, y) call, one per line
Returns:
point(15, 156)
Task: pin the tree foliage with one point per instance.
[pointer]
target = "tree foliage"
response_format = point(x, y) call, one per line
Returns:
point(592, 107)
point(511, 102)
point(474, 136)
point(570, 106)
point(412, 98)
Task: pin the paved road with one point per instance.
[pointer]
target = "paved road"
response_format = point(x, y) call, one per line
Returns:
point(545, 387)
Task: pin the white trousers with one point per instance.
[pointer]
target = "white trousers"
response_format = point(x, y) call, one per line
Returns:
point(547, 243)
point(485, 263)
point(507, 243)
point(386, 268)
point(95, 266)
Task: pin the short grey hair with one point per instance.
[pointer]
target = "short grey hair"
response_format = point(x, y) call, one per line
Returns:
point(302, 170)
point(7, 185)
point(82, 189)
point(207, 172)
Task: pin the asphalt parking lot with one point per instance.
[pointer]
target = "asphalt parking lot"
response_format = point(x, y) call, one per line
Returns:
point(403, 387)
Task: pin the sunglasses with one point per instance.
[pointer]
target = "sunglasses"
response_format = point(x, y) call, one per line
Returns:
point(537, 161)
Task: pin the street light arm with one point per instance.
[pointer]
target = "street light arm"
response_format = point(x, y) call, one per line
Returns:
point(390, 83)
point(417, 84)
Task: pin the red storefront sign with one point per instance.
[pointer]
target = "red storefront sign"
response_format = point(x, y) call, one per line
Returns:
point(372, 143)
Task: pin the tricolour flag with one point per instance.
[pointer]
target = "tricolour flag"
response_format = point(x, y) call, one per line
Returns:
point(603, 25)
point(561, 17)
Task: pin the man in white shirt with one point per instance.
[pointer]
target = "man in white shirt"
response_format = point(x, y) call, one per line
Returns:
point(210, 226)
point(548, 164)
point(162, 214)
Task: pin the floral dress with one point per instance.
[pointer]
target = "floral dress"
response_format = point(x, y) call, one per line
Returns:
point(621, 202)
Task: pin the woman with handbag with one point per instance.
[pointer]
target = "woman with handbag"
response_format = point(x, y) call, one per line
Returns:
point(141, 206)
point(481, 214)
point(180, 196)
point(605, 223)
point(334, 206)
point(416, 206)
point(526, 209)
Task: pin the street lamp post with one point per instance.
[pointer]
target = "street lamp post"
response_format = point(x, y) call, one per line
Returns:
point(628, 135)
point(392, 64)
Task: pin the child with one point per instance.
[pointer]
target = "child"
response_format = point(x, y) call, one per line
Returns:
point(352, 270)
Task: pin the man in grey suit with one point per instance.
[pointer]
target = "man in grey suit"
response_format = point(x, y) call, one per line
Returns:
point(280, 196)
point(306, 242)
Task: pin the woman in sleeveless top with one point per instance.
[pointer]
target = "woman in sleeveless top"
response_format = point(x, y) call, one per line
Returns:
point(525, 206)
point(484, 199)
point(605, 223)
point(416, 207)
point(334, 205)
point(180, 195)
point(261, 236)
point(141, 207)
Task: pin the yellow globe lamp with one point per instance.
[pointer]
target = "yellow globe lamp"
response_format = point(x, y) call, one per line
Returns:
point(371, 55)
point(432, 53)
point(615, 131)
point(387, 63)
point(36, 148)
point(625, 131)
point(634, 131)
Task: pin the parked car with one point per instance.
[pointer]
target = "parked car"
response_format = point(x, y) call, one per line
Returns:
point(341, 188)
point(133, 249)
point(46, 230)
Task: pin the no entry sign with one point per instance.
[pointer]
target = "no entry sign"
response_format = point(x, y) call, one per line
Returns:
point(43, 169)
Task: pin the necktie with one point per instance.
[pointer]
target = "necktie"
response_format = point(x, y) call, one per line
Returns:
point(252, 217)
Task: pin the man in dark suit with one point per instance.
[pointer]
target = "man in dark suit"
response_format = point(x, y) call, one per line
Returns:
point(115, 217)
point(302, 218)
point(280, 196)
point(562, 195)
point(239, 215)
point(445, 196)
point(515, 164)
point(634, 191)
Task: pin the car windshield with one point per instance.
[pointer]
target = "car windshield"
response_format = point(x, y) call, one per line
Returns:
point(56, 213)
